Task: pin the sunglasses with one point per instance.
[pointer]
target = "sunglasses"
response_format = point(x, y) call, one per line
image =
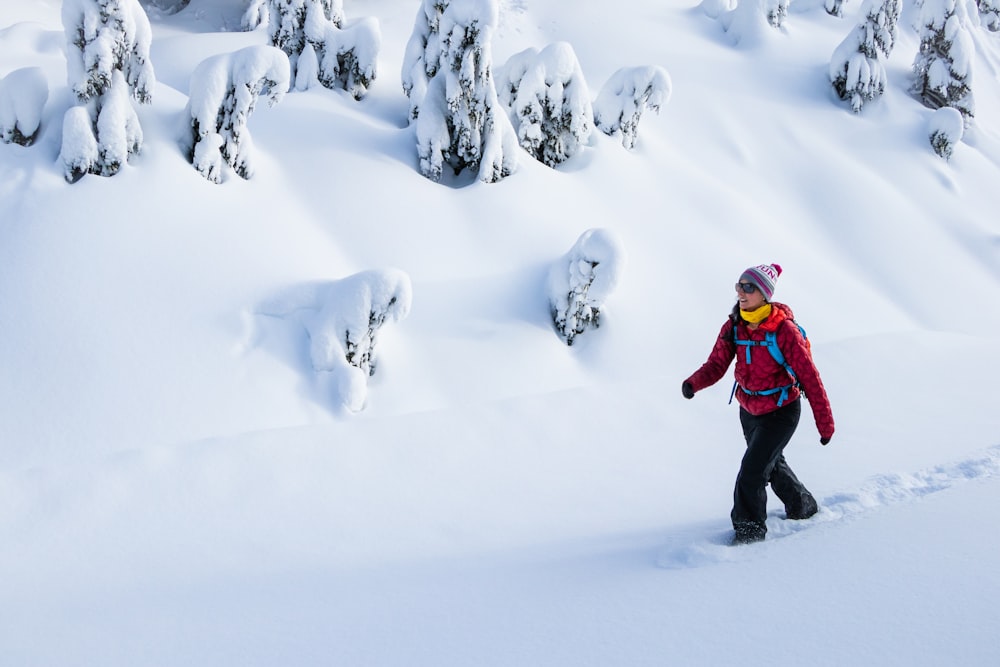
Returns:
point(746, 288)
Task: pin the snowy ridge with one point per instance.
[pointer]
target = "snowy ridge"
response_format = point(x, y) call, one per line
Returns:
point(693, 548)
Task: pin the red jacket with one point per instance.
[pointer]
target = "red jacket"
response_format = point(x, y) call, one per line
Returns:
point(763, 372)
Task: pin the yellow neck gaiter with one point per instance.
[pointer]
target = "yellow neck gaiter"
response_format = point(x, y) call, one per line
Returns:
point(756, 316)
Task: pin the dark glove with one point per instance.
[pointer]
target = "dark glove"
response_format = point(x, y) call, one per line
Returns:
point(824, 441)
point(687, 390)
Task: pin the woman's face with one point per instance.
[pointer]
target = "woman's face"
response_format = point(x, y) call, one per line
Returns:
point(749, 296)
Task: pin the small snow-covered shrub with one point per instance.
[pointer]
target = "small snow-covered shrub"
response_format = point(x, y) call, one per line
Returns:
point(945, 130)
point(751, 22)
point(319, 46)
point(224, 92)
point(581, 281)
point(856, 69)
point(626, 95)
point(550, 102)
point(943, 66)
point(461, 122)
point(23, 94)
point(342, 319)
point(108, 66)
point(347, 57)
point(349, 318)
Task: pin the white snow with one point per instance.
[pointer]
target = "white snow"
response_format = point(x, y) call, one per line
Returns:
point(180, 486)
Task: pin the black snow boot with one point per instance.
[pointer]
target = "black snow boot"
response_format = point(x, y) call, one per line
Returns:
point(806, 508)
point(747, 533)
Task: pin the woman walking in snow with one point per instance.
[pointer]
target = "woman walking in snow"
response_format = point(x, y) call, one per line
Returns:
point(774, 368)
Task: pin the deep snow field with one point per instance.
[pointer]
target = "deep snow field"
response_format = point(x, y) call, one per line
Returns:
point(178, 486)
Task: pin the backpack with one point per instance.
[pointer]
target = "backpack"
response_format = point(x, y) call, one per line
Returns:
point(771, 343)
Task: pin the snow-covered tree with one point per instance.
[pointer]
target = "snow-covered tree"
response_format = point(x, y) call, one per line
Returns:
point(224, 92)
point(750, 21)
point(23, 94)
point(108, 63)
point(352, 313)
point(626, 95)
point(338, 56)
point(581, 281)
point(943, 66)
point(856, 69)
point(461, 122)
point(347, 57)
point(548, 97)
point(945, 129)
point(989, 14)
point(342, 319)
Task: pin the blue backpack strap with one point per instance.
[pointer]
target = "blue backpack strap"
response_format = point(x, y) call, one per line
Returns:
point(776, 352)
point(747, 343)
point(771, 343)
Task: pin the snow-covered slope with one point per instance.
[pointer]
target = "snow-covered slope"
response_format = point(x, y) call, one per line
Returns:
point(179, 486)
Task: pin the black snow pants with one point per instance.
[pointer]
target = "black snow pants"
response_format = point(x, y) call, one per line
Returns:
point(763, 463)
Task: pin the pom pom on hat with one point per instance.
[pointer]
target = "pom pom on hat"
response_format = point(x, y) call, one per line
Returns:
point(763, 276)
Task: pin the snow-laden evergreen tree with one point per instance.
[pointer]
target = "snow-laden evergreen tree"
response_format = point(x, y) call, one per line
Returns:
point(945, 130)
point(943, 66)
point(548, 97)
point(989, 14)
point(23, 94)
point(626, 95)
point(224, 92)
point(581, 281)
point(461, 122)
point(108, 65)
point(353, 311)
point(856, 69)
point(343, 319)
point(347, 57)
point(338, 56)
